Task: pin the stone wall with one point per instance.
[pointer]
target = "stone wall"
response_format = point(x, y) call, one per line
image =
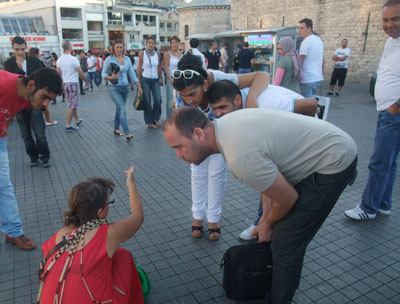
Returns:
point(203, 20)
point(333, 21)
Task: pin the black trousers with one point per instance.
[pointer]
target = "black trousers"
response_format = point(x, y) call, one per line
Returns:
point(318, 194)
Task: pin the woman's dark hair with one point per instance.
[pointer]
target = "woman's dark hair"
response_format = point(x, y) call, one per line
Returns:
point(33, 51)
point(45, 78)
point(85, 199)
point(190, 62)
point(176, 38)
point(54, 56)
point(151, 38)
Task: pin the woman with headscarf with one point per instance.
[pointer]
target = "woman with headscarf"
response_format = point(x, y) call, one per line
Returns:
point(288, 73)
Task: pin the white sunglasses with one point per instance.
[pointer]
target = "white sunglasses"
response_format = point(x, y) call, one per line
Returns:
point(187, 74)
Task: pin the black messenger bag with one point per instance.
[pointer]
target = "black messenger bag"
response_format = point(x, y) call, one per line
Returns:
point(247, 271)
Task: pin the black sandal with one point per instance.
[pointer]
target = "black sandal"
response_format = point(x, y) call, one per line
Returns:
point(214, 230)
point(197, 228)
point(128, 137)
point(116, 132)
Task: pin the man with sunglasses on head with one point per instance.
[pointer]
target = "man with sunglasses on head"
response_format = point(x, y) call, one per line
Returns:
point(29, 119)
point(18, 93)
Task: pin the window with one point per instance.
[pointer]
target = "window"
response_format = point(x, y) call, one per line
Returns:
point(176, 26)
point(95, 26)
point(7, 25)
point(152, 21)
point(127, 19)
point(70, 13)
point(114, 16)
point(186, 31)
point(15, 26)
point(22, 24)
point(138, 20)
point(162, 25)
point(145, 18)
point(72, 34)
point(162, 39)
point(31, 25)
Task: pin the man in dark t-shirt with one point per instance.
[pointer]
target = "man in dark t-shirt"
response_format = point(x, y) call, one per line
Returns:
point(213, 57)
point(246, 59)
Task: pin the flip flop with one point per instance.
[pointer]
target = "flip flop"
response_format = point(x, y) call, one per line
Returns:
point(197, 228)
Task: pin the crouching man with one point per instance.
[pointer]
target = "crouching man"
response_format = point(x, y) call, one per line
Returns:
point(300, 163)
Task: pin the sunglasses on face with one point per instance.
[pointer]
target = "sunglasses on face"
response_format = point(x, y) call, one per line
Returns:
point(111, 202)
point(187, 74)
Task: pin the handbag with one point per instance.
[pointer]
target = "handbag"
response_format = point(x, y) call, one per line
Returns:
point(247, 271)
point(113, 69)
point(139, 102)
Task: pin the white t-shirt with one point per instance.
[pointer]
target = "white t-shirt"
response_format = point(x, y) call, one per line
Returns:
point(218, 75)
point(224, 56)
point(387, 88)
point(274, 97)
point(196, 52)
point(340, 52)
point(91, 61)
point(67, 63)
point(313, 48)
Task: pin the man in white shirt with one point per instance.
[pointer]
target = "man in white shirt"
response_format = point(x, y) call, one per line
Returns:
point(225, 57)
point(194, 44)
point(69, 68)
point(341, 59)
point(91, 66)
point(377, 196)
point(312, 55)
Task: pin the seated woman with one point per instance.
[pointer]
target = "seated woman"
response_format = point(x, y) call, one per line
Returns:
point(289, 69)
point(90, 268)
point(209, 178)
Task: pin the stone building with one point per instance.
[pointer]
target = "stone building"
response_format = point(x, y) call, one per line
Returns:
point(333, 21)
point(204, 16)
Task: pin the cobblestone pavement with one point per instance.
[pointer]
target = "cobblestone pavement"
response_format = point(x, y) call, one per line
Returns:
point(347, 262)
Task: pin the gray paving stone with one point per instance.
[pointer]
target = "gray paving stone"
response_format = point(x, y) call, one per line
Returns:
point(347, 262)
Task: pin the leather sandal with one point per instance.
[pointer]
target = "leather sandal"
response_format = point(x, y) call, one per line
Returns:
point(157, 123)
point(197, 228)
point(117, 132)
point(128, 137)
point(217, 231)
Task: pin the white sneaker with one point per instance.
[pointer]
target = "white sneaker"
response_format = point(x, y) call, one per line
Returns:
point(358, 214)
point(246, 234)
point(51, 123)
point(384, 212)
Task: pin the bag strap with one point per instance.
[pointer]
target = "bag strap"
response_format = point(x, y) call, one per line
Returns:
point(52, 251)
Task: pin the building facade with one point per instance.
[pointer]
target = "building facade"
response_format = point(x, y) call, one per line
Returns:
point(359, 21)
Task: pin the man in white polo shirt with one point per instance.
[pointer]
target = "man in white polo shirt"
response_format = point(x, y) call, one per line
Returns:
point(312, 55)
point(377, 196)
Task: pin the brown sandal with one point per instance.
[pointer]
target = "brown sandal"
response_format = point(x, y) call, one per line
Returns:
point(128, 137)
point(197, 228)
point(214, 230)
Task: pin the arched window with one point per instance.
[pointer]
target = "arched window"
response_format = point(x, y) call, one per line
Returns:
point(186, 31)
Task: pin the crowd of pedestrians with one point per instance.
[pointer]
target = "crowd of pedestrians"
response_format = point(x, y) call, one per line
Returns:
point(299, 175)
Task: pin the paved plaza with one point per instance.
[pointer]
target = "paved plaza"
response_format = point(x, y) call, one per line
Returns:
point(347, 261)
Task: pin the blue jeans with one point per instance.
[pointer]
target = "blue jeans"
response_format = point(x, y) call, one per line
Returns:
point(383, 164)
point(98, 78)
point(309, 89)
point(151, 113)
point(260, 213)
point(244, 70)
point(29, 120)
point(170, 96)
point(10, 221)
point(119, 94)
point(91, 78)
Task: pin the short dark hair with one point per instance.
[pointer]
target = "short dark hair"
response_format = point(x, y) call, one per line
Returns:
point(391, 3)
point(18, 40)
point(85, 199)
point(344, 39)
point(194, 42)
point(186, 119)
point(190, 62)
point(46, 78)
point(90, 52)
point(245, 44)
point(308, 22)
point(222, 89)
point(213, 42)
point(151, 38)
point(226, 44)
